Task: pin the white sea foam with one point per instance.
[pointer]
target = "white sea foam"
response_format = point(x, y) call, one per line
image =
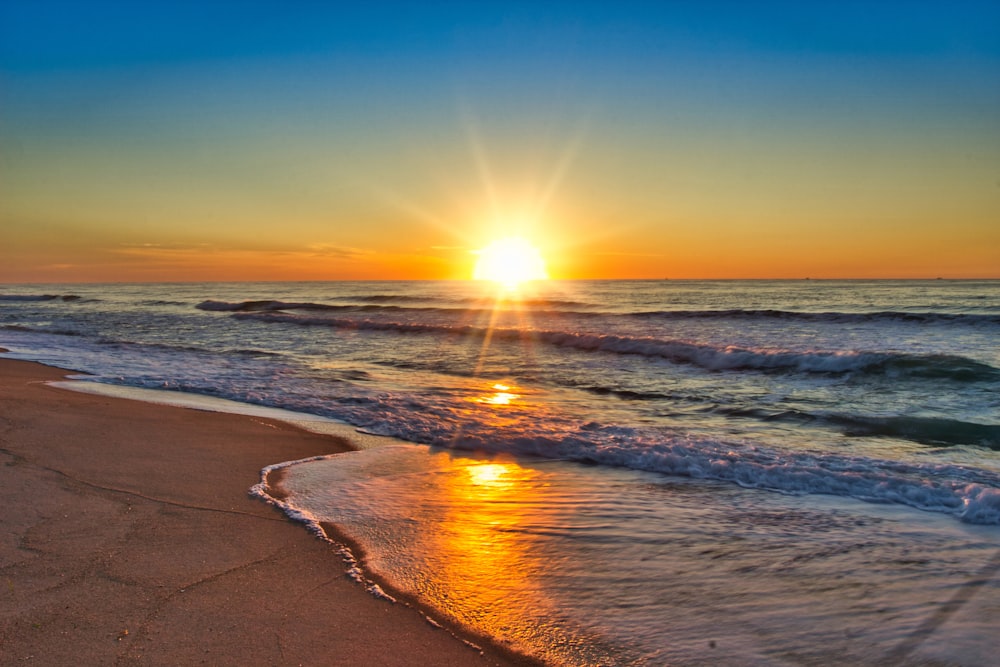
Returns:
point(981, 505)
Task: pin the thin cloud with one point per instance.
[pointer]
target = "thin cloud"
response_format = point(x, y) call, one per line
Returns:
point(342, 252)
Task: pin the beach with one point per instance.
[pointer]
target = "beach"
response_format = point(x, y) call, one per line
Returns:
point(568, 335)
point(130, 538)
point(596, 473)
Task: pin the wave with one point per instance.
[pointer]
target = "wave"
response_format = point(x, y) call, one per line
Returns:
point(24, 329)
point(709, 357)
point(382, 298)
point(252, 353)
point(544, 303)
point(123, 343)
point(274, 306)
point(561, 308)
point(832, 317)
point(723, 358)
point(939, 488)
point(925, 430)
point(629, 394)
point(377, 303)
point(262, 305)
point(517, 302)
point(971, 495)
point(937, 431)
point(40, 297)
point(279, 306)
point(162, 302)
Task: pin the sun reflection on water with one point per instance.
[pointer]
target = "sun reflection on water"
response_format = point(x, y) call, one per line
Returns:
point(488, 572)
point(494, 475)
point(501, 395)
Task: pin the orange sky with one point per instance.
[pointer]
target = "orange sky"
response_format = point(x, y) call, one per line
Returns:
point(624, 142)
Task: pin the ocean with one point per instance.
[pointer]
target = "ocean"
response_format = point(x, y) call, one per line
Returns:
point(613, 472)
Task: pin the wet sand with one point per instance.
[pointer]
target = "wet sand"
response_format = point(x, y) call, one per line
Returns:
point(129, 538)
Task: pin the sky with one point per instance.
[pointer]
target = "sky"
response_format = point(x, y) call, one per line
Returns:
point(195, 141)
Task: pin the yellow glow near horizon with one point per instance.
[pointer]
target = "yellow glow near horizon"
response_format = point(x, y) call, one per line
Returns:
point(510, 262)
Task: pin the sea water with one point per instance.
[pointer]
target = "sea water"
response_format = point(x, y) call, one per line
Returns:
point(655, 472)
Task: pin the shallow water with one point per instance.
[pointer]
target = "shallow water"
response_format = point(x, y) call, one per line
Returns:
point(580, 566)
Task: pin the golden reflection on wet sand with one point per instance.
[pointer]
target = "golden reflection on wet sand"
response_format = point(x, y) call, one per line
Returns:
point(489, 573)
point(487, 570)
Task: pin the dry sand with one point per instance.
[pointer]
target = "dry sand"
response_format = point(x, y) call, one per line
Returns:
point(128, 538)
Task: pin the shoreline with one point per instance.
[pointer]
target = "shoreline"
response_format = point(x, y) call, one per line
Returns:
point(132, 539)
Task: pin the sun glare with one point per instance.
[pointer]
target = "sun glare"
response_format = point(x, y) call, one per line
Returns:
point(510, 262)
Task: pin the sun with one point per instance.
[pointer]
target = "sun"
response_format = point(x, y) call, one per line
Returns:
point(510, 262)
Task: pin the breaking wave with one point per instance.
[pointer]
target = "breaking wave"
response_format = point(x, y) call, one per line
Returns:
point(563, 308)
point(826, 317)
point(710, 357)
point(937, 431)
point(970, 495)
point(40, 297)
